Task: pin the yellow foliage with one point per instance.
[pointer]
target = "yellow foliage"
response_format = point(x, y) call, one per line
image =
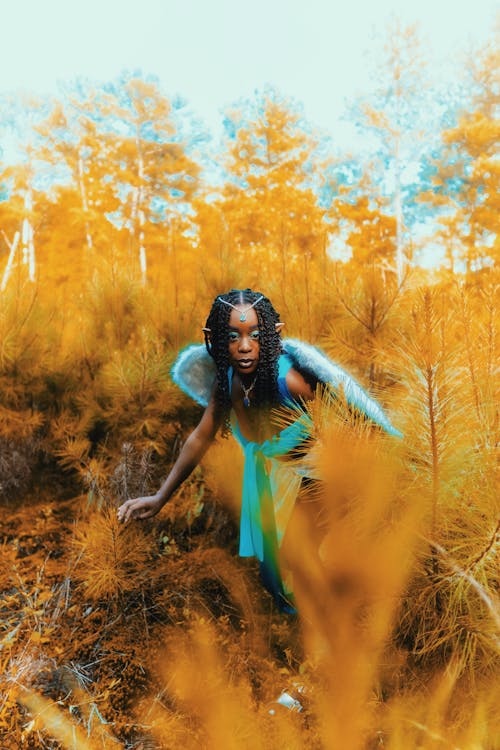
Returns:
point(398, 637)
point(49, 717)
point(112, 558)
point(223, 473)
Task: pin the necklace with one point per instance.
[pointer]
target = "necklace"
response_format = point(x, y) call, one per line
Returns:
point(243, 315)
point(246, 391)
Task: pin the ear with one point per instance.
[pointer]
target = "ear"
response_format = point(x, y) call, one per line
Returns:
point(278, 326)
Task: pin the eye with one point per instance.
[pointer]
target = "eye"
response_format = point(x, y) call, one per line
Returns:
point(255, 335)
point(233, 336)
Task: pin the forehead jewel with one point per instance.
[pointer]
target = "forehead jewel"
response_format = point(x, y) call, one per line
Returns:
point(243, 313)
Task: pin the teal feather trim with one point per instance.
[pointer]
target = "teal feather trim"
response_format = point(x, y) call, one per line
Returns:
point(194, 372)
point(309, 360)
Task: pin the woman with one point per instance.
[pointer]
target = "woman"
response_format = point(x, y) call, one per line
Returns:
point(244, 371)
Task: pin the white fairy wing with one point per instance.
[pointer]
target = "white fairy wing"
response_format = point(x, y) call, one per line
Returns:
point(311, 360)
point(194, 372)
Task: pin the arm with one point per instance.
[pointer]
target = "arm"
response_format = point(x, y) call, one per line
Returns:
point(190, 456)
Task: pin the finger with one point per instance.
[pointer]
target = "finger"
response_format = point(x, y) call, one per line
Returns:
point(127, 508)
point(123, 507)
point(129, 513)
point(122, 512)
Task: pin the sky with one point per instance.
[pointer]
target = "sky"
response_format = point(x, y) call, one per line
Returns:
point(214, 52)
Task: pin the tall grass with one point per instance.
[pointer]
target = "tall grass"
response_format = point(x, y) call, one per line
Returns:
point(397, 643)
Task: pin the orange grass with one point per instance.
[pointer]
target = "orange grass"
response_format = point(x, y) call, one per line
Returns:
point(157, 635)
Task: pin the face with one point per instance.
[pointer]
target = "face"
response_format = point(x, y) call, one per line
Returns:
point(243, 341)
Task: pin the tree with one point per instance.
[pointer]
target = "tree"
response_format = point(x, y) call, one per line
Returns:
point(269, 212)
point(155, 178)
point(126, 173)
point(22, 183)
point(397, 116)
point(466, 178)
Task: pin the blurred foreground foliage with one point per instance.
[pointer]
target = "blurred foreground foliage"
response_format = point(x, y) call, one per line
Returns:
point(157, 635)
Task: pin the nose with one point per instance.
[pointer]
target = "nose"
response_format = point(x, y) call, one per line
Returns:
point(245, 344)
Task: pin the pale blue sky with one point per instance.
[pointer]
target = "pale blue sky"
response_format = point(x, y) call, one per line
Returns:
point(216, 51)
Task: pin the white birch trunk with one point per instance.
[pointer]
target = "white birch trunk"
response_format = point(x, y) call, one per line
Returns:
point(142, 249)
point(140, 212)
point(83, 195)
point(28, 242)
point(10, 260)
point(137, 229)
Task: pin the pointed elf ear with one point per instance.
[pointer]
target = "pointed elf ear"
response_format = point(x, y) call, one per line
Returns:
point(206, 330)
point(279, 326)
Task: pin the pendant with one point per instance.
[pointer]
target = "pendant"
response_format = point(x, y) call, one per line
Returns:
point(243, 317)
point(246, 402)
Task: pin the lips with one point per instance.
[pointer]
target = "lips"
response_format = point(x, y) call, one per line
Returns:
point(245, 362)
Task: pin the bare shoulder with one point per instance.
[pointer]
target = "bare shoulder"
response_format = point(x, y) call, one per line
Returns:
point(298, 386)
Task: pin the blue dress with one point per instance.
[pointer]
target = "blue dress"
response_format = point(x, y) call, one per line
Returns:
point(270, 489)
point(270, 485)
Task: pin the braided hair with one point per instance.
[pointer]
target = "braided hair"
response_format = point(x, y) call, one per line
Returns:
point(265, 392)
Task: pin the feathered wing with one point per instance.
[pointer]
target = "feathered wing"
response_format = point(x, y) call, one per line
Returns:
point(194, 372)
point(311, 360)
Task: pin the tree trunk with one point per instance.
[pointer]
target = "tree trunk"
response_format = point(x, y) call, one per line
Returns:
point(85, 205)
point(140, 212)
point(10, 260)
point(28, 242)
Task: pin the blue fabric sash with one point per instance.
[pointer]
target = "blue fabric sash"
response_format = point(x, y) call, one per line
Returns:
point(257, 510)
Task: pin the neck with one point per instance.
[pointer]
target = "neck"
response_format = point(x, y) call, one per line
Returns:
point(247, 379)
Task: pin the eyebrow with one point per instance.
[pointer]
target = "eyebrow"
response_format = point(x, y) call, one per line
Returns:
point(235, 328)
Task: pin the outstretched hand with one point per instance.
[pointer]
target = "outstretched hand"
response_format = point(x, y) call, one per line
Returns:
point(139, 507)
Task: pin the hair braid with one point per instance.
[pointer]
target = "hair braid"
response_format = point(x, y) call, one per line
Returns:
point(266, 385)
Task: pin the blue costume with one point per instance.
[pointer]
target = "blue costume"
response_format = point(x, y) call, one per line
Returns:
point(271, 486)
